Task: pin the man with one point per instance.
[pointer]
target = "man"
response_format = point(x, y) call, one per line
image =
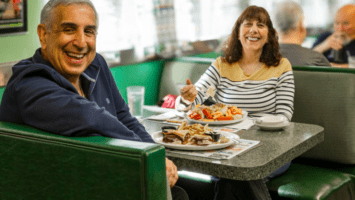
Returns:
point(338, 45)
point(66, 88)
point(288, 20)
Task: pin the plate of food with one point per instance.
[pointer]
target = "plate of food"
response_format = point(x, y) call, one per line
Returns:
point(193, 137)
point(216, 114)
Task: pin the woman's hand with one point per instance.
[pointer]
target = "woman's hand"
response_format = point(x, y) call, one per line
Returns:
point(189, 92)
point(171, 172)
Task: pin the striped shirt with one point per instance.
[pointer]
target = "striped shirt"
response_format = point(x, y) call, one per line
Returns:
point(266, 91)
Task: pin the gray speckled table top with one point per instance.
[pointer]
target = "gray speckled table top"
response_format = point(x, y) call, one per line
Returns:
point(276, 149)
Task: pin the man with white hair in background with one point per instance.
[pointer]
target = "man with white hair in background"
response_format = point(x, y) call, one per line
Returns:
point(339, 45)
point(288, 20)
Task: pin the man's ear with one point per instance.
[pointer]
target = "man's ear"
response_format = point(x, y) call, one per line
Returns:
point(42, 35)
point(301, 27)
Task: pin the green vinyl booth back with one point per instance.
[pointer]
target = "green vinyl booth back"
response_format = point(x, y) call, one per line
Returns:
point(326, 97)
point(145, 74)
point(38, 165)
point(2, 89)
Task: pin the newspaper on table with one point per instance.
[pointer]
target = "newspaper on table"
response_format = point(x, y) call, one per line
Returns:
point(225, 153)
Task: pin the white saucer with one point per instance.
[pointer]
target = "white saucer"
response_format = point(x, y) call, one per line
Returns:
point(271, 120)
point(272, 127)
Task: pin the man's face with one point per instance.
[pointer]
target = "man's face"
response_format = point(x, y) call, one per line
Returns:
point(70, 46)
point(345, 22)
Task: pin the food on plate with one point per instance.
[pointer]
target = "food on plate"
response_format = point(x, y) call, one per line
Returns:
point(202, 140)
point(216, 112)
point(194, 134)
point(176, 136)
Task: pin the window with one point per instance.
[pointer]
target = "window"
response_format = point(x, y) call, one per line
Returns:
point(162, 26)
point(201, 20)
point(124, 25)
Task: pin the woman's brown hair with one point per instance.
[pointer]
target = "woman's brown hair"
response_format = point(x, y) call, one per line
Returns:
point(270, 54)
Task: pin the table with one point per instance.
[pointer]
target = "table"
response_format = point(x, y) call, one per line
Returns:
point(276, 149)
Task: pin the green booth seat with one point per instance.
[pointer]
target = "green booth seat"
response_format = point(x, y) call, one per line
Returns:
point(2, 89)
point(208, 55)
point(303, 182)
point(145, 74)
point(39, 165)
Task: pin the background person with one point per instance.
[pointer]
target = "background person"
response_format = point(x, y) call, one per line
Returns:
point(253, 76)
point(288, 19)
point(66, 88)
point(336, 45)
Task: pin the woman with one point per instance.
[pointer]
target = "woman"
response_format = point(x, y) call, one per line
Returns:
point(253, 76)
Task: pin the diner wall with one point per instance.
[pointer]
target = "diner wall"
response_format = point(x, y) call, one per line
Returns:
point(18, 47)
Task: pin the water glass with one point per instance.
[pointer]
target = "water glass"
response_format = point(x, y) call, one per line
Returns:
point(135, 97)
point(351, 61)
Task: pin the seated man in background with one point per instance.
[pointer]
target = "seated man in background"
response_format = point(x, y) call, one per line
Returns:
point(66, 88)
point(288, 21)
point(337, 46)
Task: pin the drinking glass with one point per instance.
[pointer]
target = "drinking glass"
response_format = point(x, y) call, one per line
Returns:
point(135, 97)
point(351, 61)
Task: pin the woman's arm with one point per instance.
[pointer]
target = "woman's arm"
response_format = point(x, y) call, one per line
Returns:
point(211, 78)
point(196, 93)
point(285, 91)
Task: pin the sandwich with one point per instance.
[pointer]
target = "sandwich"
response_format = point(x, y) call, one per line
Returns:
point(201, 140)
point(176, 136)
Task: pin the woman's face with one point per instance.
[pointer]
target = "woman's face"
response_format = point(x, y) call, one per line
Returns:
point(253, 35)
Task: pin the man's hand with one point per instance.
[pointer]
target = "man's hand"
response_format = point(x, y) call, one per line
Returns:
point(334, 41)
point(189, 92)
point(171, 172)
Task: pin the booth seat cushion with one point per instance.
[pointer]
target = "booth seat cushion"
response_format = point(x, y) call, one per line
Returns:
point(308, 183)
point(345, 168)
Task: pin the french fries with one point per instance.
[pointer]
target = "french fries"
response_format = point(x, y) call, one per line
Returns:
point(195, 128)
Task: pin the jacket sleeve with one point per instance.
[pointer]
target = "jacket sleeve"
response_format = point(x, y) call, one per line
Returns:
point(123, 114)
point(46, 105)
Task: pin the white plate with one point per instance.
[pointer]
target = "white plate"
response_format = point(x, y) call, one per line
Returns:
point(158, 138)
point(271, 127)
point(157, 109)
point(245, 115)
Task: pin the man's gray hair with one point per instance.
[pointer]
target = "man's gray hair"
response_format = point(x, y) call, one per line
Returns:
point(47, 11)
point(286, 16)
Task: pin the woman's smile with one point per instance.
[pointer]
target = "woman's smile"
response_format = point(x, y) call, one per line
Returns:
point(253, 35)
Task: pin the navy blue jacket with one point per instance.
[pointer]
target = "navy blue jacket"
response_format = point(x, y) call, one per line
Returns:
point(349, 47)
point(38, 96)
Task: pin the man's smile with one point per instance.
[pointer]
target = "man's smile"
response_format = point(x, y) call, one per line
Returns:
point(75, 55)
